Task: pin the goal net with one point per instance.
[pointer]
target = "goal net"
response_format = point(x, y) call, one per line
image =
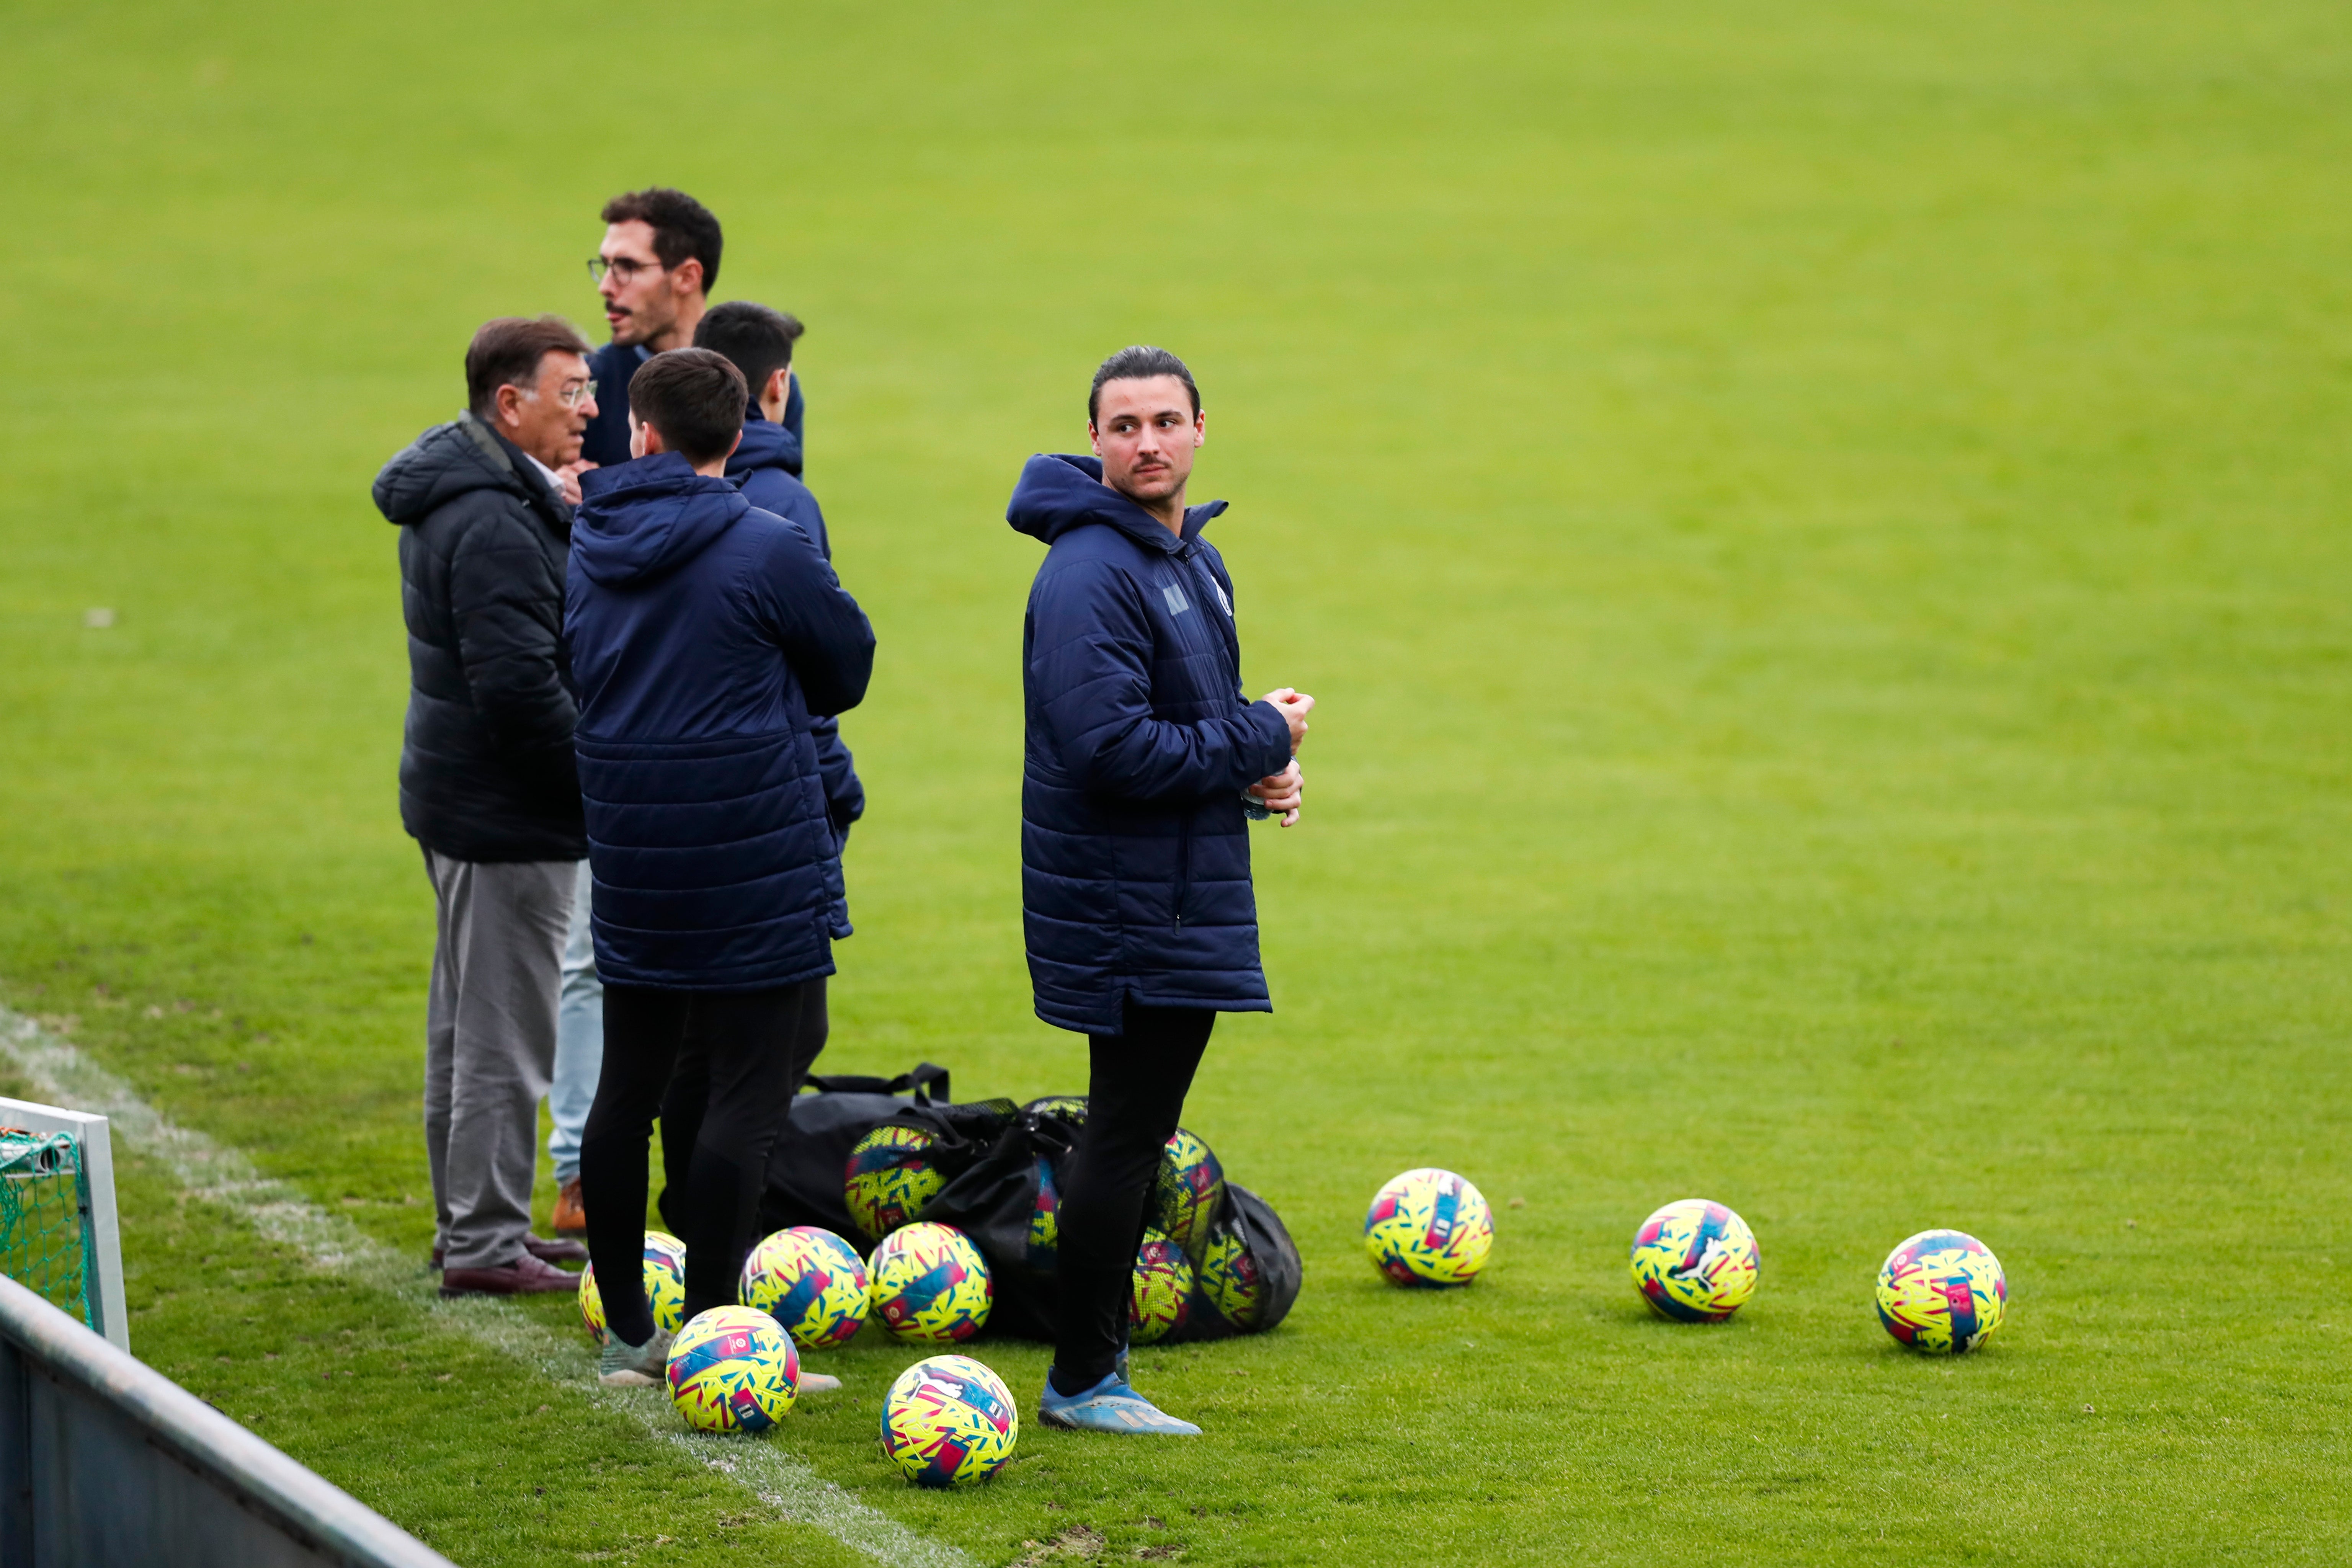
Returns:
point(58, 1234)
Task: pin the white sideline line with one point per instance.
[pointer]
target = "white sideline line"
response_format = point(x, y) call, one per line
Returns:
point(220, 1174)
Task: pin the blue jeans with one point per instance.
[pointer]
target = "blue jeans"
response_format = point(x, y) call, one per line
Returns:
point(579, 1040)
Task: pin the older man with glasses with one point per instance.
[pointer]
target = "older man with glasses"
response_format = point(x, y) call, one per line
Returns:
point(488, 784)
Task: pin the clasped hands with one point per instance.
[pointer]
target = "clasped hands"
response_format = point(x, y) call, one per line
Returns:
point(1283, 793)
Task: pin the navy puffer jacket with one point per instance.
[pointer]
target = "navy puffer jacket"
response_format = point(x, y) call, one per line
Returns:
point(766, 469)
point(705, 634)
point(1134, 865)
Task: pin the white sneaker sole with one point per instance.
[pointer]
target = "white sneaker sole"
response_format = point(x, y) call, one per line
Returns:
point(1134, 1425)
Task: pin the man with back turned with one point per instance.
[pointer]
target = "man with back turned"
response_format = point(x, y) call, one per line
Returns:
point(1144, 762)
point(706, 635)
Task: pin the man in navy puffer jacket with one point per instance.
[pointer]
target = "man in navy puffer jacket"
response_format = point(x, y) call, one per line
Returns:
point(1144, 762)
point(766, 466)
point(705, 635)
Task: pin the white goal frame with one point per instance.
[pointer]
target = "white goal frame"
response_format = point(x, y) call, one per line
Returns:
point(96, 1153)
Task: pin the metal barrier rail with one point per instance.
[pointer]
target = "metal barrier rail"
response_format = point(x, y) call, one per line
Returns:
point(105, 1462)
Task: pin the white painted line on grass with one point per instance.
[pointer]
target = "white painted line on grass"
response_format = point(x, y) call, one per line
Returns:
point(220, 1174)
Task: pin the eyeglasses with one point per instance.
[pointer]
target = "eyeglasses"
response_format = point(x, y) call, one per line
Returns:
point(626, 267)
point(571, 395)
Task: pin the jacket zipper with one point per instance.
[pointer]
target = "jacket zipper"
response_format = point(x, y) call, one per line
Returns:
point(1227, 636)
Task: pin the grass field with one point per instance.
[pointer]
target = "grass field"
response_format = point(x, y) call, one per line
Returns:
point(1819, 534)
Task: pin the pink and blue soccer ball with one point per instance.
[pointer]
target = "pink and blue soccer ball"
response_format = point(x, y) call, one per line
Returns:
point(812, 1282)
point(1045, 1220)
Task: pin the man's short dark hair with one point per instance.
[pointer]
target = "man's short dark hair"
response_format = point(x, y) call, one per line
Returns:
point(758, 340)
point(695, 398)
point(683, 229)
point(506, 351)
point(1140, 363)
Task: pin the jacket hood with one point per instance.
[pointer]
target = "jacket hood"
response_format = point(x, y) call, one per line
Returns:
point(446, 462)
point(766, 444)
point(1058, 492)
point(649, 516)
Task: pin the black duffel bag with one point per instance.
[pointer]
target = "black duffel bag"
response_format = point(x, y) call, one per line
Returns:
point(1005, 1199)
point(1267, 1266)
point(805, 1164)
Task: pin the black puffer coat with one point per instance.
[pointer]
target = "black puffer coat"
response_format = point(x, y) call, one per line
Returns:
point(486, 763)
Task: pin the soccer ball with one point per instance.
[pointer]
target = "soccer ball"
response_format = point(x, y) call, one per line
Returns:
point(1185, 1196)
point(1228, 1277)
point(812, 1282)
point(1695, 1261)
point(665, 1286)
point(1069, 1107)
point(948, 1421)
point(1163, 1289)
point(929, 1284)
point(733, 1370)
point(1429, 1227)
point(1045, 1220)
point(1943, 1292)
point(888, 1180)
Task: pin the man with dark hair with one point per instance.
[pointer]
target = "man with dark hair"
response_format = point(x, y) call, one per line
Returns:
point(1144, 762)
point(706, 635)
point(764, 466)
point(488, 784)
point(655, 270)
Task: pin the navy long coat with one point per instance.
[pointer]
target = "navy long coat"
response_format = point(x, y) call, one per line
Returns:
point(1134, 865)
point(766, 469)
point(705, 635)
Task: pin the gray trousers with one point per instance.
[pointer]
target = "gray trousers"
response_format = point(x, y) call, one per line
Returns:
point(489, 1047)
point(579, 1039)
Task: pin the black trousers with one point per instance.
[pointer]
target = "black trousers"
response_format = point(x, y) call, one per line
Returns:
point(1135, 1094)
point(718, 1068)
point(817, 1023)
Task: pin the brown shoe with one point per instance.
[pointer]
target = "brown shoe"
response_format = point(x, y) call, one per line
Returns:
point(526, 1276)
point(571, 1216)
point(548, 1251)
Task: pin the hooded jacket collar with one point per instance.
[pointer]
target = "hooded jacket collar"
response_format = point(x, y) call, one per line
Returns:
point(765, 445)
point(451, 460)
point(1058, 492)
point(642, 519)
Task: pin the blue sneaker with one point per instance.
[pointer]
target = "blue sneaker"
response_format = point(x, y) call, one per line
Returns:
point(1109, 1405)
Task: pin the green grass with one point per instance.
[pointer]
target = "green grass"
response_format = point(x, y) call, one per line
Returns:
point(1818, 534)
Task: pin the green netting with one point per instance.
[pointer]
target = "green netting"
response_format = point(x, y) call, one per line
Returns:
point(45, 1238)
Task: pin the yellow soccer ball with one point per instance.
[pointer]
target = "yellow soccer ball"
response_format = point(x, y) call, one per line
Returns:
point(665, 1286)
point(1942, 1291)
point(733, 1370)
point(929, 1284)
point(1163, 1289)
point(812, 1282)
point(1186, 1192)
point(888, 1178)
point(1429, 1227)
point(948, 1421)
point(1695, 1261)
point(1229, 1277)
